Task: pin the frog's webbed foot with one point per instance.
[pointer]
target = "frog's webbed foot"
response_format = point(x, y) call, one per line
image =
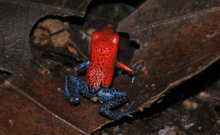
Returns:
point(73, 87)
point(113, 98)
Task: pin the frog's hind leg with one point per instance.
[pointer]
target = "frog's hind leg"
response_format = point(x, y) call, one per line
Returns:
point(73, 87)
point(113, 98)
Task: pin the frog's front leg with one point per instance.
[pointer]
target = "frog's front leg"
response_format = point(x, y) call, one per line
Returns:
point(134, 70)
point(113, 98)
point(73, 87)
point(80, 66)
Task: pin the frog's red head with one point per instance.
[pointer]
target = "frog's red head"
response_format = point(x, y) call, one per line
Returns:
point(105, 36)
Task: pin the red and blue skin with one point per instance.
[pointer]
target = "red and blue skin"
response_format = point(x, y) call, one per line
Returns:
point(101, 67)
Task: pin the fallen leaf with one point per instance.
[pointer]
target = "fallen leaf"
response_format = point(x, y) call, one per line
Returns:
point(32, 101)
point(178, 39)
point(17, 19)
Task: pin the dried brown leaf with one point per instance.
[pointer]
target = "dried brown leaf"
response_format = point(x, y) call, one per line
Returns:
point(17, 19)
point(31, 98)
point(178, 39)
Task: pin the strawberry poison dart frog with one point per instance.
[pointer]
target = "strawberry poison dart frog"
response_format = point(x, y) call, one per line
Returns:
point(101, 67)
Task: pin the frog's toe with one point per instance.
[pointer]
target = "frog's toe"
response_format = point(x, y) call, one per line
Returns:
point(126, 114)
point(61, 91)
point(74, 101)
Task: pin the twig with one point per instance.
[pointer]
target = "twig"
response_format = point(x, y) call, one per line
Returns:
point(80, 52)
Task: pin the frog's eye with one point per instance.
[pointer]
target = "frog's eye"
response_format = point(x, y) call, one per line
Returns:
point(95, 35)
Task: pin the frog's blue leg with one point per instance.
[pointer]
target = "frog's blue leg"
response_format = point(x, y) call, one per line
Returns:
point(80, 66)
point(113, 98)
point(73, 86)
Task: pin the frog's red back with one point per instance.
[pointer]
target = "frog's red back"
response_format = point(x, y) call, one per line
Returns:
point(103, 57)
